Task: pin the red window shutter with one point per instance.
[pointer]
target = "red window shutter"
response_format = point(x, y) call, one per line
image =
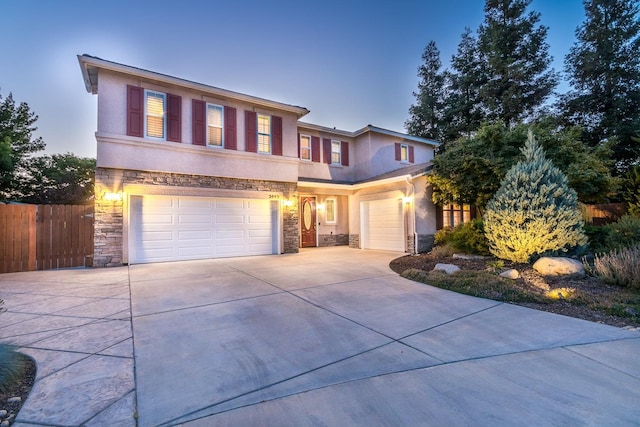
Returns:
point(398, 149)
point(298, 145)
point(199, 122)
point(230, 129)
point(174, 118)
point(344, 153)
point(411, 158)
point(251, 131)
point(135, 111)
point(315, 149)
point(326, 150)
point(276, 135)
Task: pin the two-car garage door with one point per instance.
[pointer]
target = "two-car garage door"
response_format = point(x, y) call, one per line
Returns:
point(172, 228)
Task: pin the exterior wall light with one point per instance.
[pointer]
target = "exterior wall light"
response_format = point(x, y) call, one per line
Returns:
point(287, 202)
point(320, 206)
point(112, 197)
point(407, 200)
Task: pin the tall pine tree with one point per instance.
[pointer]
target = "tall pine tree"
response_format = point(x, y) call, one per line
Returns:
point(604, 71)
point(517, 61)
point(425, 116)
point(464, 111)
point(534, 212)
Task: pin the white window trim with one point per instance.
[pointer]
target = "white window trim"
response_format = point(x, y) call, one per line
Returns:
point(339, 143)
point(258, 134)
point(335, 210)
point(221, 127)
point(406, 148)
point(164, 117)
point(310, 148)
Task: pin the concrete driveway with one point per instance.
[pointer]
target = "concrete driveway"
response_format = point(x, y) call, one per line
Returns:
point(329, 336)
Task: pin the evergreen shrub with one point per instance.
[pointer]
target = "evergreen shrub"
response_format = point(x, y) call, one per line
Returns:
point(534, 212)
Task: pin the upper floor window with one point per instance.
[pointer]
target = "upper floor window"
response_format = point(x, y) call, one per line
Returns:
point(336, 155)
point(215, 120)
point(305, 147)
point(155, 118)
point(264, 133)
point(404, 153)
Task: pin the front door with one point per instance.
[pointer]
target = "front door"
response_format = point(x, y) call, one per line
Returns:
point(308, 221)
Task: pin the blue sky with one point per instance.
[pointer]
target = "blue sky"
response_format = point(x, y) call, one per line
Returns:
point(351, 63)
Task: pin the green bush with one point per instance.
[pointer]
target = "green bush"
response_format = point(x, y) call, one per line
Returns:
point(468, 238)
point(534, 212)
point(619, 267)
point(617, 235)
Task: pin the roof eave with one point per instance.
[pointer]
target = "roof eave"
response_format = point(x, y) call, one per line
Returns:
point(90, 65)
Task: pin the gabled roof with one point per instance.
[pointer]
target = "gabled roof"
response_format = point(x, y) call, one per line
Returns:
point(366, 129)
point(91, 64)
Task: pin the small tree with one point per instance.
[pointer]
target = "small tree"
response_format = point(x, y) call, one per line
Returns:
point(534, 212)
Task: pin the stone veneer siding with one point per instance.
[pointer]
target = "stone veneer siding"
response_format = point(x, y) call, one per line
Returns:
point(333, 240)
point(354, 241)
point(109, 226)
point(425, 243)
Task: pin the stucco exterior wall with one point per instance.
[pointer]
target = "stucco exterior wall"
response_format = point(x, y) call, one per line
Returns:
point(377, 154)
point(117, 150)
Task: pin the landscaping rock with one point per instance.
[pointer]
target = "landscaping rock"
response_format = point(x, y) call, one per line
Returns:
point(511, 274)
point(3, 413)
point(561, 266)
point(447, 268)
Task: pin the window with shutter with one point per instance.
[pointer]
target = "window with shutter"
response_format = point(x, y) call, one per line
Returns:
point(155, 106)
point(174, 118)
point(264, 133)
point(251, 136)
point(315, 149)
point(199, 122)
point(305, 147)
point(344, 153)
point(135, 111)
point(336, 157)
point(230, 138)
point(215, 120)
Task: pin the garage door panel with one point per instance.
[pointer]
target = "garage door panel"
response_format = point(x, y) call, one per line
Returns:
point(195, 219)
point(157, 236)
point(165, 228)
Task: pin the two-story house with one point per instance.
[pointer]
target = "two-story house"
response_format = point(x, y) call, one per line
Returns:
point(190, 171)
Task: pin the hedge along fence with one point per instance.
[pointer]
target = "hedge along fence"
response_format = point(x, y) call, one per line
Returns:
point(44, 237)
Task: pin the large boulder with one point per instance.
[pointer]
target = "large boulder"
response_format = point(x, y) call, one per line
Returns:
point(447, 268)
point(548, 266)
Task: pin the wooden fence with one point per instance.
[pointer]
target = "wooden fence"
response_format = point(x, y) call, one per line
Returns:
point(605, 213)
point(44, 237)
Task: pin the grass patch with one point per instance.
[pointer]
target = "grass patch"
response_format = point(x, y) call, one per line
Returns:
point(481, 284)
point(12, 366)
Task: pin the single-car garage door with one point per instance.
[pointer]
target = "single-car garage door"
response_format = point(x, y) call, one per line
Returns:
point(382, 225)
point(172, 228)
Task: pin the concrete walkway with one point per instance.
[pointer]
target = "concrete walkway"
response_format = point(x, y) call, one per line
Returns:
point(329, 336)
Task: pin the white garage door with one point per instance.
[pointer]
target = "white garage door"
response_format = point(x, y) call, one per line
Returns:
point(171, 228)
point(383, 225)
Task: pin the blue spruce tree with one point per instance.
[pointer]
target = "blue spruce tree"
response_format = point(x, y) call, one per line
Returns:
point(534, 212)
